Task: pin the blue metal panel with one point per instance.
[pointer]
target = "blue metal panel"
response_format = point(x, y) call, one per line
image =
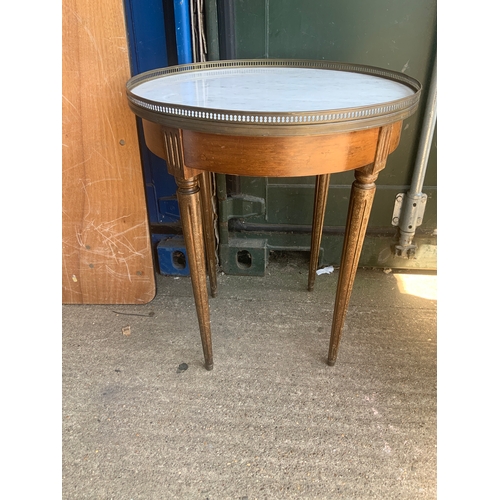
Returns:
point(148, 39)
point(183, 31)
point(145, 22)
point(146, 34)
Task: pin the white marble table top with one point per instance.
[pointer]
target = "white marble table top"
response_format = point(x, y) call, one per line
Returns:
point(273, 97)
point(272, 89)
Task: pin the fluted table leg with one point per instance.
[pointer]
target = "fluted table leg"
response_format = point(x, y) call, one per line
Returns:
point(320, 198)
point(360, 205)
point(188, 196)
point(208, 229)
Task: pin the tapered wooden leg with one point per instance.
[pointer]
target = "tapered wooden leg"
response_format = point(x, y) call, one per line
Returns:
point(357, 220)
point(188, 196)
point(320, 198)
point(360, 205)
point(208, 229)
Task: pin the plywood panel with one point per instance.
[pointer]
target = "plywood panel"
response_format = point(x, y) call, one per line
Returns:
point(107, 255)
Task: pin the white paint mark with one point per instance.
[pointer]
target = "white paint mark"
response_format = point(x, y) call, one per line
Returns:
point(106, 160)
point(78, 164)
point(111, 128)
point(116, 274)
point(89, 208)
point(72, 105)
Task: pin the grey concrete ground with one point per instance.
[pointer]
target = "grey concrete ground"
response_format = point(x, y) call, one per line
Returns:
point(272, 420)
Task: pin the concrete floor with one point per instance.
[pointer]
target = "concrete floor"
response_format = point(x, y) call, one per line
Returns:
point(272, 420)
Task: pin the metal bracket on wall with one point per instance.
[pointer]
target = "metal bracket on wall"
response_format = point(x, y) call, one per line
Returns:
point(408, 214)
point(409, 208)
point(241, 206)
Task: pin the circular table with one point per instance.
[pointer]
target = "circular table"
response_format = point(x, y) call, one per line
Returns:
point(272, 118)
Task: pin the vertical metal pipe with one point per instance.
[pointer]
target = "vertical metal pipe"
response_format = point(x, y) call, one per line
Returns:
point(424, 147)
point(212, 23)
point(413, 202)
point(194, 45)
point(183, 31)
point(227, 35)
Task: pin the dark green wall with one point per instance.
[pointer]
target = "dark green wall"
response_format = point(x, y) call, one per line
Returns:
point(395, 34)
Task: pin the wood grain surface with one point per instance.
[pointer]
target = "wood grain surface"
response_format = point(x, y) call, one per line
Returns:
point(289, 156)
point(106, 251)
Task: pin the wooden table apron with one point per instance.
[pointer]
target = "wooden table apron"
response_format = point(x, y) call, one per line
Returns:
point(192, 152)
